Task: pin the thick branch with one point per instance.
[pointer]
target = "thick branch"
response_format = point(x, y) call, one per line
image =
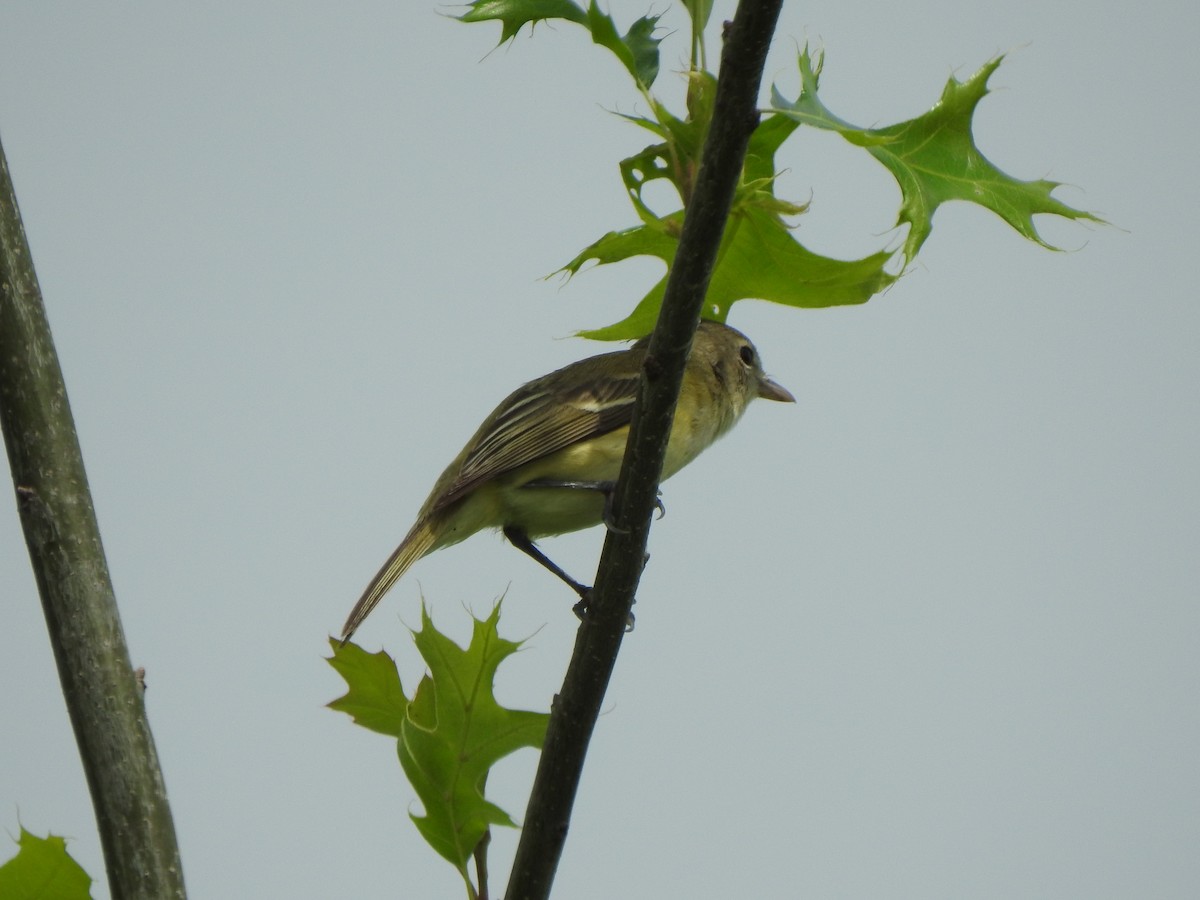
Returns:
point(577, 707)
point(55, 506)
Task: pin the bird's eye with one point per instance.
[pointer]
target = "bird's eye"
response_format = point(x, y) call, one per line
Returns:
point(747, 354)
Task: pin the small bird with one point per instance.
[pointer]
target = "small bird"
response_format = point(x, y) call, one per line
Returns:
point(546, 460)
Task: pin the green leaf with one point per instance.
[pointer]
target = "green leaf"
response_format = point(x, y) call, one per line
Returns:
point(376, 699)
point(43, 870)
point(450, 733)
point(637, 49)
point(515, 14)
point(758, 259)
point(761, 259)
point(462, 732)
point(765, 142)
point(934, 158)
point(658, 238)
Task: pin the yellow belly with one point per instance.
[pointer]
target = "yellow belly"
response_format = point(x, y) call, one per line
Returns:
point(541, 511)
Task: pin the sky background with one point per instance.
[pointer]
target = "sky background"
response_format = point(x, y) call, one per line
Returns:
point(929, 633)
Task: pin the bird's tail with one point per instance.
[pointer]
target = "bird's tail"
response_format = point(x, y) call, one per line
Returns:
point(416, 544)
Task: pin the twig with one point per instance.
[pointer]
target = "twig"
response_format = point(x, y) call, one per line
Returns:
point(576, 708)
point(103, 696)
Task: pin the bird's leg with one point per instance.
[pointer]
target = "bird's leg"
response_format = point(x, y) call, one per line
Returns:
point(521, 541)
point(604, 487)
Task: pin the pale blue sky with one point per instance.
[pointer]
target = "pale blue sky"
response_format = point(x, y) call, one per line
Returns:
point(929, 633)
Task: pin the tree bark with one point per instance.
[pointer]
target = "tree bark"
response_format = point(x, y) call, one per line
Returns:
point(103, 695)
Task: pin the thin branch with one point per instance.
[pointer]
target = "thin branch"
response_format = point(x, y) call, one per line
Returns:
point(102, 691)
point(577, 707)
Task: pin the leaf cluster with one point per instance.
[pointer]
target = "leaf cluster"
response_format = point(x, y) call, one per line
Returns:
point(933, 158)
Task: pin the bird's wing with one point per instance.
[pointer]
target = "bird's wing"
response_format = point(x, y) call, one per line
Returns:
point(541, 418)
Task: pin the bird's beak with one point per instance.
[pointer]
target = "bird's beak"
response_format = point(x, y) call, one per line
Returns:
point(769, 390)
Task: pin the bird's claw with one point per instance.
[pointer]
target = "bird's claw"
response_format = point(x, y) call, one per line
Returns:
point(610, 521)
point(582, 610)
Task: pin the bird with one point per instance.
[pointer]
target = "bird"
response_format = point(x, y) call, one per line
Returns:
point(546, 460)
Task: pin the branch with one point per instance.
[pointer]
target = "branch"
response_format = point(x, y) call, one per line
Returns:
point(55, 507)
point(577, 707)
